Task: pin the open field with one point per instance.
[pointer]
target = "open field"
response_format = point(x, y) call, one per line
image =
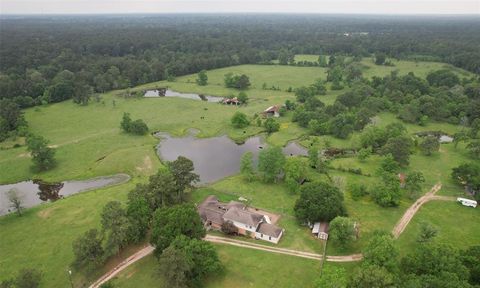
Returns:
point(90, 143)
point(456, 224)
point(42, 237)
point(243, 269)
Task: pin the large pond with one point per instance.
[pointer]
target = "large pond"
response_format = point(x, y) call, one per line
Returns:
point(217, 157)
point(171, 93)
point(32, 193)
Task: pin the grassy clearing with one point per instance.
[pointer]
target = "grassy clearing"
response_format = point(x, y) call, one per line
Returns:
point(273, 198)
point(243, 268)
point(42, 238)
point(457, 225)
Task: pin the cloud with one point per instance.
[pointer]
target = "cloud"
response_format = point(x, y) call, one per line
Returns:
point(258, 6)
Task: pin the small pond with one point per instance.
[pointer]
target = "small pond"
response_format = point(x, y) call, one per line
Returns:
point(217, 157)
point(35, 192)
point(171, 93)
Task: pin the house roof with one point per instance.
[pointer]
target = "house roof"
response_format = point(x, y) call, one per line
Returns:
point(273, 108)
point(212, 210)
point(241, 215)
point(269, 229)
point(320, 227)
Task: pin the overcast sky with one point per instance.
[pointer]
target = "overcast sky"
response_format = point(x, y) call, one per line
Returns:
point(261, 6)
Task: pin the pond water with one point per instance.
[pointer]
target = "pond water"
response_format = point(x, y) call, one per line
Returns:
point(217, 157)
point(171, 93)
point(35, 192)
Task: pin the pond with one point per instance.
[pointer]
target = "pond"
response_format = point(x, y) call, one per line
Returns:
point(217, 157)
point(171, 93)
point(37, 191)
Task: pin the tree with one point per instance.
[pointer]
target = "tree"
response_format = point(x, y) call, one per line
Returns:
point(371, 276)
point(28, 278)
point(429, 145)
point(322, 61)
point(427, 232)
point(239, 120)
point(42, 155)
point(202, 78)
point(271, 125)
point(11, 114)
point(126, 122)
point(471, 260)
point(170, 222)
point(202, 255)
point(242, 97)
point(432, 260)
point(162, 190)
point(15, 201)
point(270, 163)
point(82, 93)
point(332, 277)
point(413, 183)
point(137, 127)
point(342, 230)
point(364, 153)
point(387, 192)
point(138, 214)
point(400, 147)
point(174, 267)
point(474, 147)
point(319, 201)
point(229, 228)
point(295, 171)
point(246, 166)
point(380, 58)
point(88, 250)
point(116, 225)
point(358, 191)
point(388, 165)
point(381, 251)
point(468, 175)
point(182, 171)
point(443, 77)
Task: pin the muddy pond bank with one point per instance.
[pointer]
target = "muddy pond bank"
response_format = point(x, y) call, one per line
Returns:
point(35, 192)
point(216, 157)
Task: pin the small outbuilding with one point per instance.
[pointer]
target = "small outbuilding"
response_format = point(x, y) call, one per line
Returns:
point(320, 230)
point(272, 111)
point(231, 101)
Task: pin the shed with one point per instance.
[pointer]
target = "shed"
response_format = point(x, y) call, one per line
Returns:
point(272, 111)
point(320, 230)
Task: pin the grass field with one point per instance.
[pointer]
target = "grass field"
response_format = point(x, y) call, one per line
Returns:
point(89, 143)
point(244, 268)
point(42, 238)
point(456, 224)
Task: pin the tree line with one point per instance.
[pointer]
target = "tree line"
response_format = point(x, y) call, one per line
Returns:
point(50, 59)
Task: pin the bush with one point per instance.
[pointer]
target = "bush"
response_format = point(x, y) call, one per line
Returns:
point(137, 127)
point(239, 120)
point(358, 191)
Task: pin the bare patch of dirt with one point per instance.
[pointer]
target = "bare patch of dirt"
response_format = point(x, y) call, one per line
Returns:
point(146, 165)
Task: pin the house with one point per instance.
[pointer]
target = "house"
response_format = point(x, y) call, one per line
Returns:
point(272, 111)
point(249, 221)
point(231, 101)
point(467, 202)
point(320, 230)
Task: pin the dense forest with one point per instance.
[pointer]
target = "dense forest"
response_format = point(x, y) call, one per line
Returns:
point(50, 59)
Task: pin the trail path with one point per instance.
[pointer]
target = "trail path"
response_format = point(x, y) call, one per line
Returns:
point(228, 241)
point(397, 230)
point(407, 217)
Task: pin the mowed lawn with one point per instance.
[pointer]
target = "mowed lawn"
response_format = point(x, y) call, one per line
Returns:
point(274, 198)
point(243, 268)
point(457, 225)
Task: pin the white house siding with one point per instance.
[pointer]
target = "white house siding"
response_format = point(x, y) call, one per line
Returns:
point(268, 238)
point(243, 226)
